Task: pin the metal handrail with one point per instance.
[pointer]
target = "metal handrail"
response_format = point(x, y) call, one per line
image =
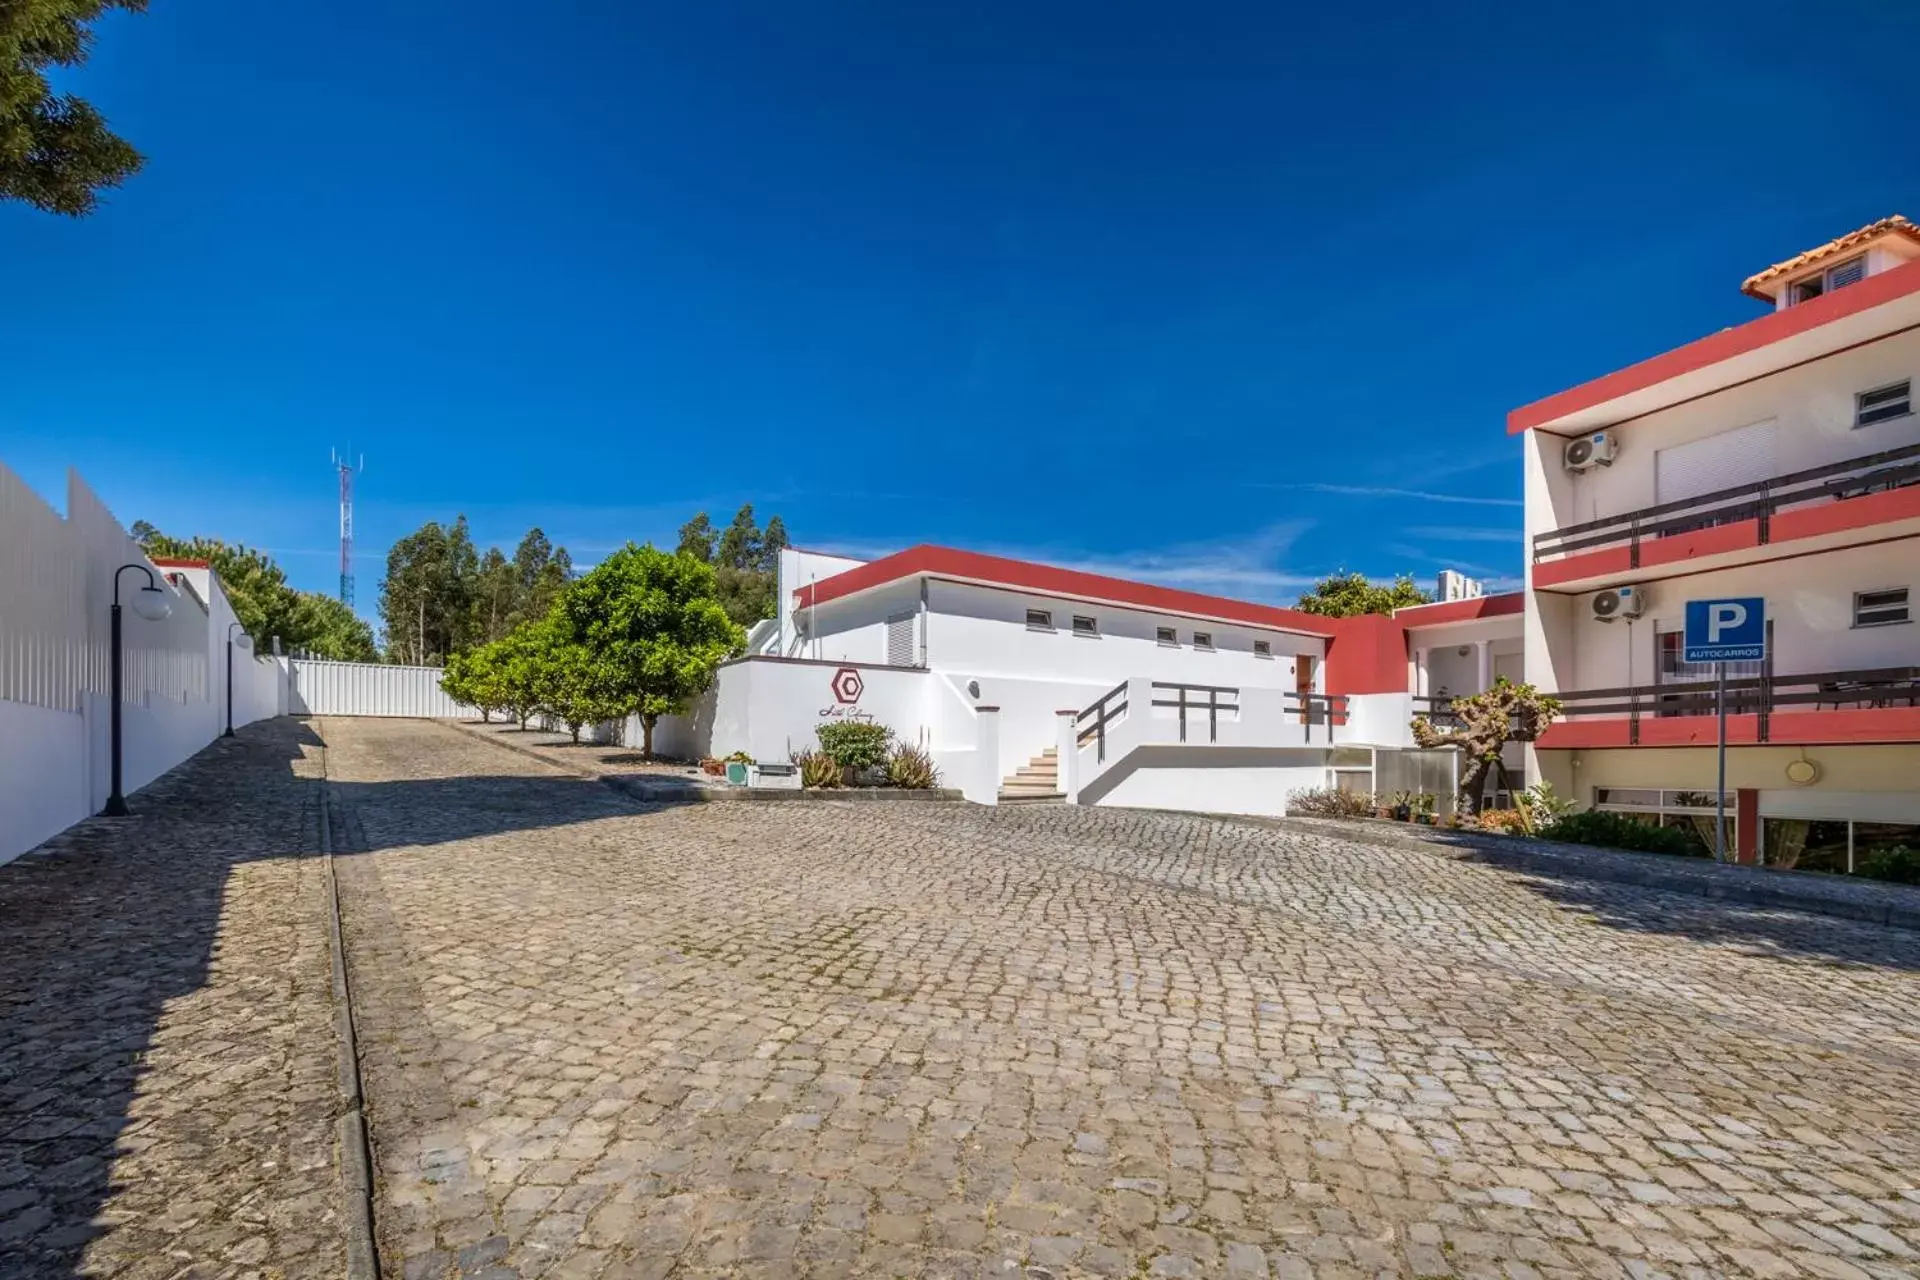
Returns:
point(1892, 468)
point(1103, 715)
point(1329, 709)
point(1212, 706)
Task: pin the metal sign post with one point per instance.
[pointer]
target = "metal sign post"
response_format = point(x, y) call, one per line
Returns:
point(1720, 788)
point(1723, 631)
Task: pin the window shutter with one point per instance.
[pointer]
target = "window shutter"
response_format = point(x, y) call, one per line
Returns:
point(1847, 273)
point(1731, 458)
point(900, 640)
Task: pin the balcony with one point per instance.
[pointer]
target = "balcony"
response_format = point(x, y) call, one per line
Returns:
point(1840, 504)
point(1815, 708)
point(1151, 711)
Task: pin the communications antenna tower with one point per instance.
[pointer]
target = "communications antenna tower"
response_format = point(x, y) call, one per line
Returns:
point(346, 466)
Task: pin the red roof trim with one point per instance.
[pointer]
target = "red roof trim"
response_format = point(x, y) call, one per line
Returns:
point(171, 562)
point(1044, 579)
point(1776, 326)
point(1432, 615)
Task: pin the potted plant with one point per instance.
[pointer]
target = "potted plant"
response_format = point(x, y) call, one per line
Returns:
point(1423, 806)
point(710, 765)
point(1402, 806)
point(1382, 805)
point(736, 766)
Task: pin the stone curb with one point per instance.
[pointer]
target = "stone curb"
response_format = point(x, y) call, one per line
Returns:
point(637, 788)
point(356, 1161)
point(1747, 886)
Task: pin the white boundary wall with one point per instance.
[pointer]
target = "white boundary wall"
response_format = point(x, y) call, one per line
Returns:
point(321, 688)
point(56, 586)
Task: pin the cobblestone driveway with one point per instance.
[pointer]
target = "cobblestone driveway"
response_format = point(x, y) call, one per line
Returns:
point(167, 1049)
point(933, 1040)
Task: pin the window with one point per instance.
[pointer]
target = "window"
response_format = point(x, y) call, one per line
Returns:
point(1039, 620)
point(1167, 636)
point(1689, 811)
point(1839, 847)
point(1880, 608)
point(1263, 648)
point(1203, 640)
point(1883, 404)
point(1838, 276)
point(1085, 626)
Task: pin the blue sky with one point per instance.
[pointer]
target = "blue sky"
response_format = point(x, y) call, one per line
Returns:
point(1226, 296)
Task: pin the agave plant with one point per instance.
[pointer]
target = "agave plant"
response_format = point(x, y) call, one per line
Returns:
point(911, 767)
point(818, 770)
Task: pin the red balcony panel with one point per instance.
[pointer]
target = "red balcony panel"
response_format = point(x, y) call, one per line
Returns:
point(1584, 735)
point(1738, 536)
point(1697, 731)
point(1582, 564)
point(1855, 513)
point(1855, 725)
point(1849, 724)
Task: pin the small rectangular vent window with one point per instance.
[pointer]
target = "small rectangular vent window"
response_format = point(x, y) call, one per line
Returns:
point(1263, 648)
point(1167, 636)
point(1883, 404)
point(1852, 271)
point(1203, 640)
point(1085, 626)
point(1880, 608)
point(1039, 620)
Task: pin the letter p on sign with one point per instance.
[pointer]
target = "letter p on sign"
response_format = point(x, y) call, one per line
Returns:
point(1724, 616)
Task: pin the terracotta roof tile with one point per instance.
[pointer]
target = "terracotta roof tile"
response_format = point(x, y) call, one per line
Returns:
point(1895, 225)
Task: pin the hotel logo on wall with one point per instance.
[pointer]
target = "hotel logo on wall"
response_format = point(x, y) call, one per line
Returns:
point(847, 687)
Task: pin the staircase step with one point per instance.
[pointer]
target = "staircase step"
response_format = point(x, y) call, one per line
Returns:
point(1032, 797)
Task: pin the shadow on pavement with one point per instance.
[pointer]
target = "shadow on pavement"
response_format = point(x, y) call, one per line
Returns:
point(105, 925)
point(100, 928)
point(1717, 905)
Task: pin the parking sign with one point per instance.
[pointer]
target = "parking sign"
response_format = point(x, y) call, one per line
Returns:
point(1725, 630)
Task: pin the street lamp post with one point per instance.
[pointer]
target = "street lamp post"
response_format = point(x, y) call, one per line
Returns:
point(151, 603)
point(245, 643)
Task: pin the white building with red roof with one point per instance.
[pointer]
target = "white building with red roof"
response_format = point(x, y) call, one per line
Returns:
point(1778, 459)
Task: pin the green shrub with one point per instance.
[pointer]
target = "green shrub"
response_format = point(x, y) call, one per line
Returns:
point(856, 744)
point(911, 767)
point(1618, 831)
point(1329, 802)
point(1899, 864)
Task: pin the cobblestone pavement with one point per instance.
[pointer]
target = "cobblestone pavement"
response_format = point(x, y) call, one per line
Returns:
point(167, 1051)
point(940, 1040)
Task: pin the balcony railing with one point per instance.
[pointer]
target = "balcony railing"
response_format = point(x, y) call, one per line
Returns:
point(1437, 709)
point(1760, 696)
point(1210, 713)
point(1759, 500)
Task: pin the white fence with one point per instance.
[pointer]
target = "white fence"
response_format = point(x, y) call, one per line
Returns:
point(320, 688)
point(56, 584)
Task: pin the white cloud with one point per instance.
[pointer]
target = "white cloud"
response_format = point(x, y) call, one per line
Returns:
point(1462, 533)
point(1382, 491)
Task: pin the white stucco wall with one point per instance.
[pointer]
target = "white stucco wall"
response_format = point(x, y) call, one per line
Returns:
point(43, 775)
point(771, 708)
point(1809, 600)
point(1209, 780)
point(1813, 406)
point(983, 631)
point(855, 629)
point(798, 568)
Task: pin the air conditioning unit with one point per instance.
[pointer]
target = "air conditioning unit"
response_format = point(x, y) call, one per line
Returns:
point(1588, 452)
point(1620, 602)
